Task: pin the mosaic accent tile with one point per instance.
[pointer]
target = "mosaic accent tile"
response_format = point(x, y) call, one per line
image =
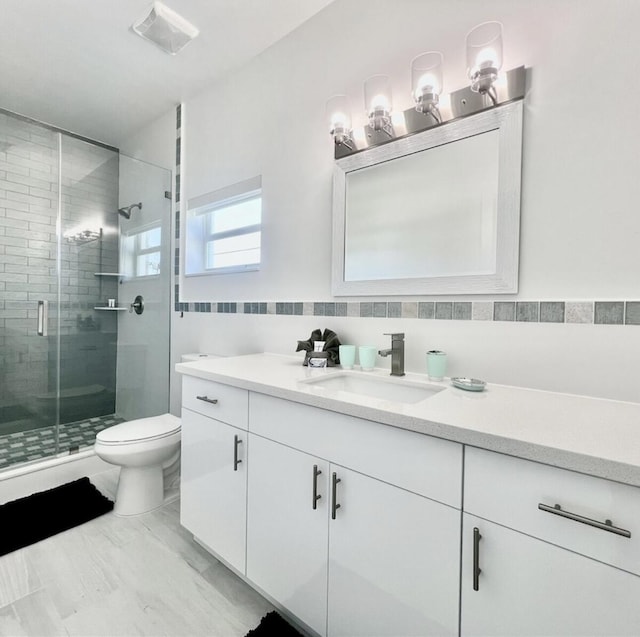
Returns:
point(632, 315)
point(409, 310)
point(504, 311)
point(482, 311)
point(307, 308)
point(426, 309)
point(329, 309)
point(19, 447)
point(271, 308)
point(527, 311)
point(444, 310)
point(462, 311)
point(341, 309)
point(609, 312)
point(579, 312)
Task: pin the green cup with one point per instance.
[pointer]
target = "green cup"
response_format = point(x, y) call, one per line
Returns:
point(436, 364)
point(347, 356)
point(367, 355)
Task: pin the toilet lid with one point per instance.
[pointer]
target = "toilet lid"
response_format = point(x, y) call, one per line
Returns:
point(140, 429)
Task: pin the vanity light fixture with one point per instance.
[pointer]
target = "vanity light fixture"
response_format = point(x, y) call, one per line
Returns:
point(339, 119)
point(484, 58)
point(426, 83)
point(431, 107)
point(377, 103)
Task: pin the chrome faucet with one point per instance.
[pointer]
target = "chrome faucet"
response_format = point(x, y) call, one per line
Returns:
point(397, 353)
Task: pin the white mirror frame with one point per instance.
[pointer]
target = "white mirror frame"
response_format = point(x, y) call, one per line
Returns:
point(507, 120)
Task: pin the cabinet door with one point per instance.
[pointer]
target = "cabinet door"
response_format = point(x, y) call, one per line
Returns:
point(213, 485)
point(394, 561)
point(530, 587)
point(286, 535)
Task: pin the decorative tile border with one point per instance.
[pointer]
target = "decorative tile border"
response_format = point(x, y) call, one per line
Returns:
point(593, 312)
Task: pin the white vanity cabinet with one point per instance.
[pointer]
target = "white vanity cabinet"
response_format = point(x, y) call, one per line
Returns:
point(287, 530)
point(386, 552)
point(214, 467)
point(530, 571)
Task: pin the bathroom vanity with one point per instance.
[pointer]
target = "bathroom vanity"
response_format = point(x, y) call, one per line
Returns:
point(368, 505)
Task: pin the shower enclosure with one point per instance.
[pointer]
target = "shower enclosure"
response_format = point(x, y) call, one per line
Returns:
point(84, 290)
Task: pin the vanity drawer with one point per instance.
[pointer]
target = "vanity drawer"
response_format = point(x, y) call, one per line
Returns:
point(230, 406)
point(519, 493)
point(422, 464)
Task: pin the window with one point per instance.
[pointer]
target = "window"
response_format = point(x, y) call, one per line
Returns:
point(141, 252)
point(224, 230)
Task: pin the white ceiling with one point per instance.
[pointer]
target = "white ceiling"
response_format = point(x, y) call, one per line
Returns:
point(76, 64)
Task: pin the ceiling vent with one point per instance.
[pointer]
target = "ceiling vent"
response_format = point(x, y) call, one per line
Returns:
point(165, 28)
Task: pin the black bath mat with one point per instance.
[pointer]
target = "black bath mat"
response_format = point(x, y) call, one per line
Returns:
point(41, 515)
point(273, 625)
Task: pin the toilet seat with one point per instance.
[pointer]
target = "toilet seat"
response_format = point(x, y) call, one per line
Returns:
point(140, 430)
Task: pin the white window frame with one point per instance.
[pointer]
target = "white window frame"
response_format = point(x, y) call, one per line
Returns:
point(133, 251)
point(197, 227)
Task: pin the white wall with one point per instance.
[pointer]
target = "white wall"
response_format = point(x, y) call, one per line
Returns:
point(579, 223)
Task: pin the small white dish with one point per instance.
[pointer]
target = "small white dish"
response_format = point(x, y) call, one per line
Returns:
point(470, 384)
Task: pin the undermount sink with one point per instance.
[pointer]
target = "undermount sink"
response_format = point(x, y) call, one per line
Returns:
point(382, 388)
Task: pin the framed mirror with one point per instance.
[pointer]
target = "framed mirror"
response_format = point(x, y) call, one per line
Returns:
point(437, 212)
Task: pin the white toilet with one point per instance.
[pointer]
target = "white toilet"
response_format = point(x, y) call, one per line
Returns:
point(145, 449)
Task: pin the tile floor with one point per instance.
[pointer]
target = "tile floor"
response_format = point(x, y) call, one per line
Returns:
point(121, 577)
point(35, 444)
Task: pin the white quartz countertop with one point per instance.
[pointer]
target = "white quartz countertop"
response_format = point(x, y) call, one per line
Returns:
point(592, 435)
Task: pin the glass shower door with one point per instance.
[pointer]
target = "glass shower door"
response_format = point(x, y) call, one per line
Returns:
point(146, 268)
point(88, 334)
point(29, 177)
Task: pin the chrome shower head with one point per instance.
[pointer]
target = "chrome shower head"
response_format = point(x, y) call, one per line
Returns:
point(126, 211)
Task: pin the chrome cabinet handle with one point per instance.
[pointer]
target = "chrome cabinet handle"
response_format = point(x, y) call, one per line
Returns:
point(334, 488)
point(43, 318)
point(607, 525)
point(316, 496)
point(236, 460)
point(206, 399)
point(476, 558)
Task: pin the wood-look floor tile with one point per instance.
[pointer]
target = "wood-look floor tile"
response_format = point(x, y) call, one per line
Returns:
point(18, 577)
point(37, 616)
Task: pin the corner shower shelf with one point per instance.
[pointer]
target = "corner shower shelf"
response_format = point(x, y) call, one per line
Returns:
point(110, 309)
point(108, 274)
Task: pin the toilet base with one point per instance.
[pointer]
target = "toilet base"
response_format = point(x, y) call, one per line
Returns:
point(140, 490)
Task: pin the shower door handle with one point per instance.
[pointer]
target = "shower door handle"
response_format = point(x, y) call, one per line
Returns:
point(43, 318)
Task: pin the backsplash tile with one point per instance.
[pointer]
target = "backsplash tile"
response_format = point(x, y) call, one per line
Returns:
point(609, 312)
point(379, 309)
point(632, 316)
point(482, 311)
point(552, 311)
point(504, 311)
point(527, 311)
point(444, 310)
point(462, 311)
point(394, 309)
point(579, 312)
point(426, 309)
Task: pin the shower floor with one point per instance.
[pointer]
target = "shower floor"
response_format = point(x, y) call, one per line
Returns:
point(36, 444)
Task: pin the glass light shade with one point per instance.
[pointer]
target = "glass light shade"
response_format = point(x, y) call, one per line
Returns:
point(484, 54)
point(338, 113)
point(426, 75)
point(377, 95)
